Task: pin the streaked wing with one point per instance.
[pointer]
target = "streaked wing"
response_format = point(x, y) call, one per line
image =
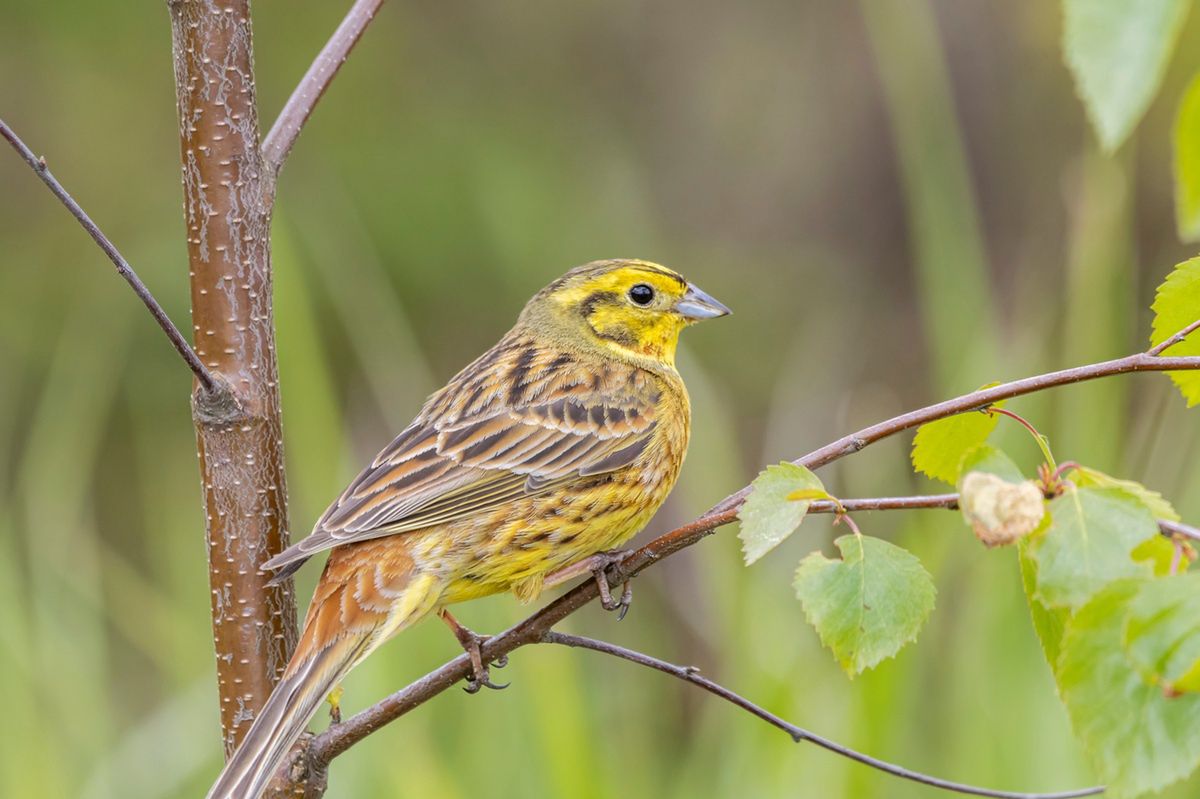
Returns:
point(518, 421)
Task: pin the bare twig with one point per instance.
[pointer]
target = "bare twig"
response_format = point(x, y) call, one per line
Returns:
point(798, 734)
point(334, 741)
point(38, 165)
point(1161, 347)
point(283, 134)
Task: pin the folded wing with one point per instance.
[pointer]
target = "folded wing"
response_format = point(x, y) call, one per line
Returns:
point(521, 425)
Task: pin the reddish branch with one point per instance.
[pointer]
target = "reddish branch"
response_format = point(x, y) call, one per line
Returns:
point(226, 190)
point(335, 740)
point(283, 134)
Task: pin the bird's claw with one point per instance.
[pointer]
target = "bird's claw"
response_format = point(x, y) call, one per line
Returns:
point(478, 681)
point(472, 643)
point(600, 573)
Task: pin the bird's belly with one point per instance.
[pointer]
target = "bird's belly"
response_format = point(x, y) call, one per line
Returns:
point(493, 552)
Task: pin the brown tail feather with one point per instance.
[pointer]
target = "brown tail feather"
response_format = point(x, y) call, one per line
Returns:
point(367, 593)
point(280, 723)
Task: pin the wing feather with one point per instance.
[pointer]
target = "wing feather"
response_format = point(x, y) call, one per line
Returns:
point(517, 422)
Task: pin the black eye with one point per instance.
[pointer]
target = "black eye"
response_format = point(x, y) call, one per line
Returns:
point(641, 294)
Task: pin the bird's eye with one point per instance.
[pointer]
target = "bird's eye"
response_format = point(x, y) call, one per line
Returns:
point(641, 294)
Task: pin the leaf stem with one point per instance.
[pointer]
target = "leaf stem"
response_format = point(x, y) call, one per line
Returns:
point(1042, 442)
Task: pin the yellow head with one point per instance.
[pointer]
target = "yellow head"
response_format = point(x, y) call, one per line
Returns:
point(634, 309)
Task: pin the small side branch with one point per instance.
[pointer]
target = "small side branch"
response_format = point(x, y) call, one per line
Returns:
point(283, 134)
point(38, 165)
point(1161, 347)
point(692, 675)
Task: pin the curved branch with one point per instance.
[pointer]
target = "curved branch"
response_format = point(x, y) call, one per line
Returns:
point(691, 674)
point(299, 107)
point(38, 165)
point(338, 739)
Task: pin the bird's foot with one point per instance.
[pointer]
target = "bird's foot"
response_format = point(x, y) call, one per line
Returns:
point(471, 643)
point(598, 565)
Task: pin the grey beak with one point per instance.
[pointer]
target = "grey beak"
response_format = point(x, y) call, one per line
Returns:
point(697, 304)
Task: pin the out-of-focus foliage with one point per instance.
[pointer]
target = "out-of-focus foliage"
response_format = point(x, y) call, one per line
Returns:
point(1118, 50)
point(1187, 163)
point(899, 199)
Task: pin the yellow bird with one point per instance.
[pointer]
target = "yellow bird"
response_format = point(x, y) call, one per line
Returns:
point(556, 445)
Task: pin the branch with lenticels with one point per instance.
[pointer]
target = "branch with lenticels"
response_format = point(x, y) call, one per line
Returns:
point(314, 755)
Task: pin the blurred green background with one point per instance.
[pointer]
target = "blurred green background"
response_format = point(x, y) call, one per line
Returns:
point(899, 198)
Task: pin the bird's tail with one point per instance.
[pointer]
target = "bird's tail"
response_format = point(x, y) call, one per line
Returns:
point(319, 664)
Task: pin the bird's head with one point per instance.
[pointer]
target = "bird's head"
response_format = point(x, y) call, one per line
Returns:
point(631, 308)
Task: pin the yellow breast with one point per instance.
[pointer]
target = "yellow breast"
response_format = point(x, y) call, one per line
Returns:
point(534, 535)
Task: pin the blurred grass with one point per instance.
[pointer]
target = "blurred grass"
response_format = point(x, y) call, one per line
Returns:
point(899, 200)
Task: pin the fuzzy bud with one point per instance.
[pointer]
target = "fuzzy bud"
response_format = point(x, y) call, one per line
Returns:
point(998, 511)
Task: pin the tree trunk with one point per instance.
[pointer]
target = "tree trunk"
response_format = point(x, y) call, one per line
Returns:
point(228, 192)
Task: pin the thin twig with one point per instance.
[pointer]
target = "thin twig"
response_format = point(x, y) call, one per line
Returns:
point(798, 734)
point(1168, 528)
point(296, 111)
point(1171, 529)
point(336, 740)
point(38, 165)
point(1159, 348)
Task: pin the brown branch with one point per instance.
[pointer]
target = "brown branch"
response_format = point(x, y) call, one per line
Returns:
point(335, 740)
point(690, 674)
point(226, 191)
point(38, 165)
point(296, 111)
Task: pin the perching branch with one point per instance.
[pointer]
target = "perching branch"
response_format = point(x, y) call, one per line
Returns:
point(283, 134)
point(38, 165)
point(332, 742)
point(690, 674)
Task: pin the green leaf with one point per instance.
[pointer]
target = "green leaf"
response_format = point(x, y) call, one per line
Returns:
point(1138, 739)
point(1187, 163)
point(986, 458)
point(769, 516)
point(1162, 632)
point(1089, 543)
point(1177, 305)
point(1160, 508)
point(1118, 50)
point(939, 447)
point(1159, 552)
point(867, 605)
point(1048, 622)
